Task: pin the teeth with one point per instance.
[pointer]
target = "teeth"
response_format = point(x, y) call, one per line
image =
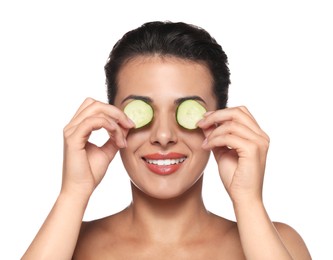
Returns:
point(166, 161)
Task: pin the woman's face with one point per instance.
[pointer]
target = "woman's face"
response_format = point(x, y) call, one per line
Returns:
point(163, 159)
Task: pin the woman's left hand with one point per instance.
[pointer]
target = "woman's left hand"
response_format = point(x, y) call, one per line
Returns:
point(240, 148)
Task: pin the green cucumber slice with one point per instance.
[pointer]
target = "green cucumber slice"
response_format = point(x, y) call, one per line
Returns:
point(140, 112)
point(189, 113)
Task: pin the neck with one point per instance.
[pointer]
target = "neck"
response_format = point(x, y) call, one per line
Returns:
point(171, 219)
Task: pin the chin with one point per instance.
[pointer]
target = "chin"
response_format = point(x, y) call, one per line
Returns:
point(168, 191)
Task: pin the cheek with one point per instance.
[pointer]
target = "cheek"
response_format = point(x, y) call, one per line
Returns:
point(194, 142)
point(128, 159)
point(193, 138)
point(135, 140)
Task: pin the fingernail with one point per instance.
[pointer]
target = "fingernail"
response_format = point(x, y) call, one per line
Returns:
point(131, 122)
point(208, 113)
point(200, 122)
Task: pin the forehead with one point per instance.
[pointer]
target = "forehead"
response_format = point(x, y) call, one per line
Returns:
point(144, 75)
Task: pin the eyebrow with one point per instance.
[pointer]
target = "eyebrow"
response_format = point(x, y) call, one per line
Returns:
point(177, 101)
point(143, 98)
point(182, 99)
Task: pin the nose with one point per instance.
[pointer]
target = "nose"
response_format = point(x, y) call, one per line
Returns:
point(164, 130)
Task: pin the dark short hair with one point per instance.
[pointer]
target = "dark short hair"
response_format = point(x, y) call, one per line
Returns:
point(180, 40)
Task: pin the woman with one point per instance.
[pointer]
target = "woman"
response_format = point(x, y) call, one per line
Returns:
point(164, 64)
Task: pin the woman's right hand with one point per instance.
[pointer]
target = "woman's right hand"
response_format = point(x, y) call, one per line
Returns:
point(85, 164)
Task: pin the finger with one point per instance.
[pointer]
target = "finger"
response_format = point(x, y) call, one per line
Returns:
point(208, 130)
point(85, 103)
point(244, 147)
point(109, 149)
point(117, 134)
point(237, 114)
point(71, 127)
point(79, 135)
point(96, 107)
point(235, 128)
point(239, 138)
point(227, 114)
point(245, 110)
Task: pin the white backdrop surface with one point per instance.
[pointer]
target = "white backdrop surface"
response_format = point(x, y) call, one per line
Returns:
point(52, 55)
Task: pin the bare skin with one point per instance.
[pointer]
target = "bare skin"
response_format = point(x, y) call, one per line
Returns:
point(167, 217)
point(123, 236)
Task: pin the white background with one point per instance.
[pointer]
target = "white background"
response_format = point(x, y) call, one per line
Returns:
point(52, 55)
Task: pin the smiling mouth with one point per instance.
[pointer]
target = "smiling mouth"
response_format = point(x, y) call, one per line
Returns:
point(165, 162)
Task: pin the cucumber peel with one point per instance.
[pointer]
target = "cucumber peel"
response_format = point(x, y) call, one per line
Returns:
point(189, 113)
point(140, 112)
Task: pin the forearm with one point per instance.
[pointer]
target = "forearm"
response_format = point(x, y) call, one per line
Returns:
point(58, 235)
point(259, 238)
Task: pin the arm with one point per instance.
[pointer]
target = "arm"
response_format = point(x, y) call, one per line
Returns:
point(262, 239)
point(240, 148)
point(84, 167)
point(57, 237)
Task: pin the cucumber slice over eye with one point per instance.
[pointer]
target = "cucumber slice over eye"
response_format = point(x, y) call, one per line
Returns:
point(140, 112)
point(189, 113)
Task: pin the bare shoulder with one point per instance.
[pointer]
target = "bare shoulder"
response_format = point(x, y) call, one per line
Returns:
point(112, 238)
point(293, 241)
point(91, 234)
point(95, 238)
point(225, 237)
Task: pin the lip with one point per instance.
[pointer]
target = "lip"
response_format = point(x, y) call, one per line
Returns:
point(161, 156)
point(163, 169)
